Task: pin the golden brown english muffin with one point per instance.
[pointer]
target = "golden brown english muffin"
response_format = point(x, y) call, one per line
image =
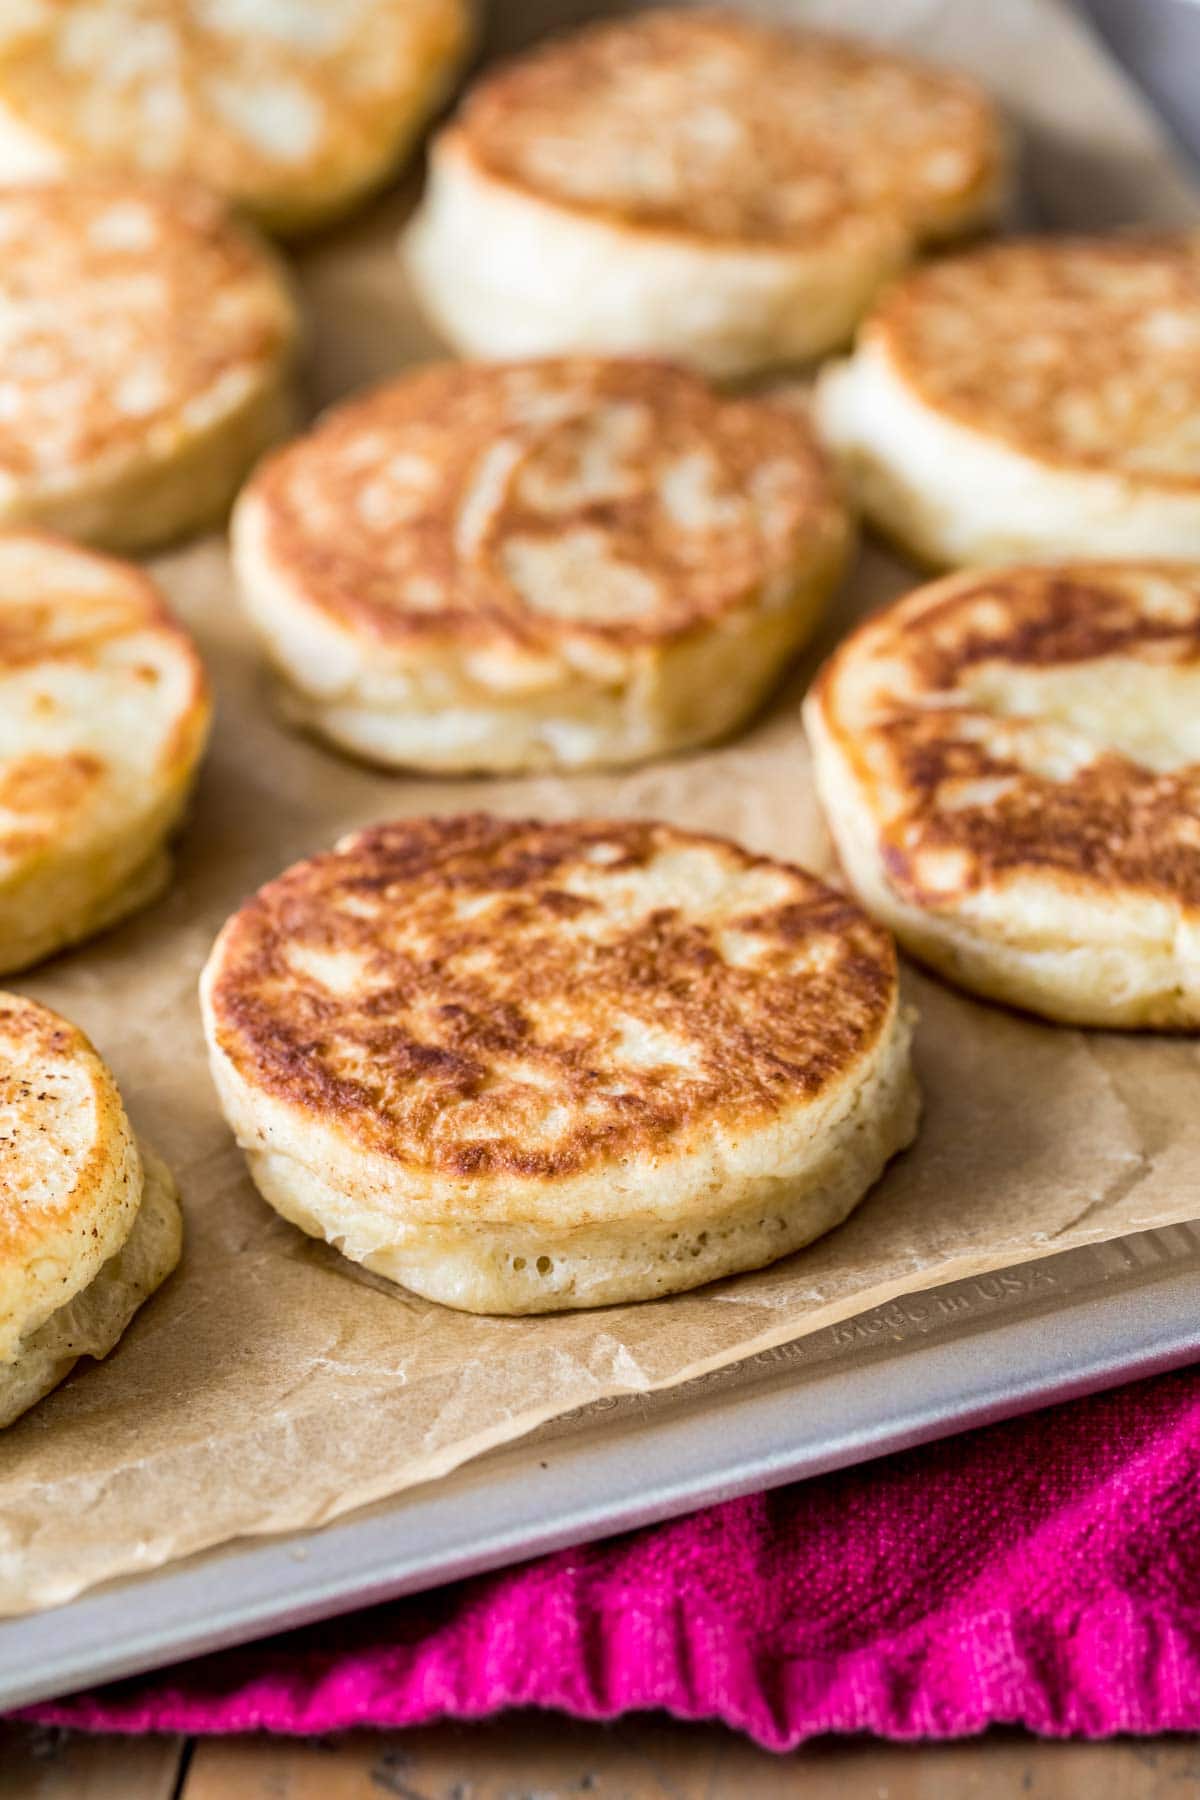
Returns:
point(1030, 400)
point(1010, 765)
point(522, 1067)
point(538, 565)
point(291, 107)
point(145, 350)
point(104, 711)
point(89, 1224)
point(695, 185)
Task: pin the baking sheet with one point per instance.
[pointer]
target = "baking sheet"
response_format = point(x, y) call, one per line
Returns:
point(272, 1386)
point(902, 1374)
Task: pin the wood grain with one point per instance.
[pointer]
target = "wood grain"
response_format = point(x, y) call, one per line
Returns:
point(534, 1757)
point(538, 1757)
point(37, 1764)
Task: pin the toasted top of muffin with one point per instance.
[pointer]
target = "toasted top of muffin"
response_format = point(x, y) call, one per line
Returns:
point(712, 126)
point(104, 704)
point(1079, 352)
point(507, 1003)
point(542, 514)
point(70, 1174)
point(288, 106)
point(132, 313)
point(1038, 723)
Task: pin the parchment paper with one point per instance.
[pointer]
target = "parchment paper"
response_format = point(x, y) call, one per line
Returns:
point(271, 1384)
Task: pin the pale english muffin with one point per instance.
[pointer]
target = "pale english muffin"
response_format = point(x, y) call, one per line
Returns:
point(89, 1225)
point(694, 185)
point(145, 343)
point(522, 1067)
point(537, 565)
point(1034, 399)
point(1010, 765)
point(104, 709)
point(291, 107)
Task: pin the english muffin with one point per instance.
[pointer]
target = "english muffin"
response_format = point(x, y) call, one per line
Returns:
point(89, 1224)
point(290, 107)
point(145, 343)
point(104, 710)
point(694, 185)
point(537, 565)
point(522, 1067)
point(1030, 400)
point(1010, 764)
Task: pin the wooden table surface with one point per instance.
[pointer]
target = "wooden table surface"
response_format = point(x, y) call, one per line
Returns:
point(531, 1756)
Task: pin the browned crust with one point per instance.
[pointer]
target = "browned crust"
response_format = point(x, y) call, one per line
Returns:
point(856, 154)
point(204, 298)
point(1045, 344)
point(27, 1031)
point(360, 572)
point(472, 1024)
point(50, 789)
point(1112, 825)
point(369, 95)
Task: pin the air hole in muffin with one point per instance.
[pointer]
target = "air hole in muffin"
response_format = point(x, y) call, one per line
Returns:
point(544, 1265)
point(518, 1262)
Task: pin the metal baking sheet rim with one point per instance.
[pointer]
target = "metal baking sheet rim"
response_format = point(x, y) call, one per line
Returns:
point(922, 1367)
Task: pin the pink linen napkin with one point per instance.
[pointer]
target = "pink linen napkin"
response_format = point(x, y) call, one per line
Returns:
point(1044, 1572)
